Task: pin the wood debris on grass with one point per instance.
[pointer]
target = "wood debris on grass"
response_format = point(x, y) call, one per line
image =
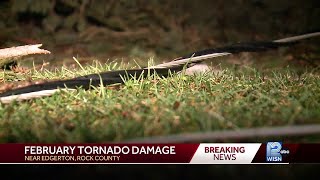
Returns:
point(7, 55)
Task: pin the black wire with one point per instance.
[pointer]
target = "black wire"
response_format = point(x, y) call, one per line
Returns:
point(85, 82)
point(113, 77)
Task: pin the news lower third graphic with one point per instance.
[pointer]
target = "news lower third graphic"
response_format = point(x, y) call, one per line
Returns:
point(201, 153)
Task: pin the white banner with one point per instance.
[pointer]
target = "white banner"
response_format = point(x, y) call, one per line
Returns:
point(225, 153)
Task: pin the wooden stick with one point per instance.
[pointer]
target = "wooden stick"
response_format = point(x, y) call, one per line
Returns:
point(9, 54)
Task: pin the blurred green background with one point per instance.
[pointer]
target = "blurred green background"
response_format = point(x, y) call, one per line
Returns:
point(163, 29)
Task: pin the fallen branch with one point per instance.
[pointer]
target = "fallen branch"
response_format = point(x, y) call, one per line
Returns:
point(7, 55)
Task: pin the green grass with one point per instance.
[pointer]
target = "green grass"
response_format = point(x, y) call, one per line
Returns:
point(153, 106)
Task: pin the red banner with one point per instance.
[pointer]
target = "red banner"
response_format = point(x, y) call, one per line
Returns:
point(97, 153)
point(204, 153)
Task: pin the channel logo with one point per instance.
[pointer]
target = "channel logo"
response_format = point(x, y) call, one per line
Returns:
point(274, 152)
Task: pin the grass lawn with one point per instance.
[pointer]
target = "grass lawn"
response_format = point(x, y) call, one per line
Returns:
point(232, 99)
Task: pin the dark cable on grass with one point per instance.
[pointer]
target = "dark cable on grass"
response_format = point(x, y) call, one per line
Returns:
point(112, 77)
point(234, 135)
